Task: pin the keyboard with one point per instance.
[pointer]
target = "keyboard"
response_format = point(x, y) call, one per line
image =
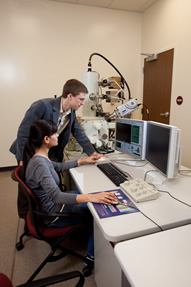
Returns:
point(116, 175)
point(139, 190)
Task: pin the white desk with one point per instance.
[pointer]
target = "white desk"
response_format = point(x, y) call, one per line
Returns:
point(161, 259)
point(165, 211)
point(90, 179)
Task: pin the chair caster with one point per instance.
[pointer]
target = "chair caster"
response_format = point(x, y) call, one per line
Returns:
point(87, 271)
point(19, 246)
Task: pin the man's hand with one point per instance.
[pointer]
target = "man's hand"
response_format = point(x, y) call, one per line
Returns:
point(20, 163)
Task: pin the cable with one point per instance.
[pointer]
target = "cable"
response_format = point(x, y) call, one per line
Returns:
point(147, 217)
point(151, 220)
point(120, 89)
point(169, 195)
point(167, 191)
point(184, 172)
point(111, 133)
point(175, 197)
point(148, 172)
point(103, 150)
point(147, 110)
point(126, 163)
point(122, 78)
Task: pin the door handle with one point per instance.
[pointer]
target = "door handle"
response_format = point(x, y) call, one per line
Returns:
point(166, 115)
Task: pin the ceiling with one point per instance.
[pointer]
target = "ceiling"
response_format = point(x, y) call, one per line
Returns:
point(125, 5)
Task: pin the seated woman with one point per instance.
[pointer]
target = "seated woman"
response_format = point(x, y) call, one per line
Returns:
point(41, 177)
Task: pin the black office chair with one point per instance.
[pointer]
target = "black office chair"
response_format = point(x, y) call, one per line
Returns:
point(54, 236)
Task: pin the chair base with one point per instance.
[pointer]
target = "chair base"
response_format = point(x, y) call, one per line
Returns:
point(87, 270)
point(56, 279)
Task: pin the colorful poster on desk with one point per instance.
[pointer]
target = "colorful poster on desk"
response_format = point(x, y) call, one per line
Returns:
point(125, 206)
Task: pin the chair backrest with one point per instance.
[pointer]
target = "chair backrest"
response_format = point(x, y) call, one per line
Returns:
point(34, 214)
point(32, 217)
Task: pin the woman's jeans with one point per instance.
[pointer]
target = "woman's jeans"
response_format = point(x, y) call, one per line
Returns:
point(84, 218)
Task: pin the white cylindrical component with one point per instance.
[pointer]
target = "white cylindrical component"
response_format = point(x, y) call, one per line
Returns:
point(92, 140)
point(97, 126)
point(90, 80)
point(98, 143)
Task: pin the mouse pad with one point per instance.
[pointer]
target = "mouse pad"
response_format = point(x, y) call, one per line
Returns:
point(124, 206)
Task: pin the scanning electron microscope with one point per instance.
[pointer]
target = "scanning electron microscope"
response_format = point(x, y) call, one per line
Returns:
point(99, 126)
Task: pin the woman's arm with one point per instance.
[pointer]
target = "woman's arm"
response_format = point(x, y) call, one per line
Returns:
point(41, 172)
point(62, 166)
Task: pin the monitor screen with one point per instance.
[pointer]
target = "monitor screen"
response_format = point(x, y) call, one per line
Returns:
point(163, 147)
point(130, 137)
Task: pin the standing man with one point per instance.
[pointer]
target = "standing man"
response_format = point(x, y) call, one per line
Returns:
point(61, 110)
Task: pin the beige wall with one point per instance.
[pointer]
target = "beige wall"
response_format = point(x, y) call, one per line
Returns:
point(165, 25)
point(43, 44)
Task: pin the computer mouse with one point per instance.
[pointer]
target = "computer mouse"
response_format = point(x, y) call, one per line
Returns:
point(103, 159)
point(115, 202)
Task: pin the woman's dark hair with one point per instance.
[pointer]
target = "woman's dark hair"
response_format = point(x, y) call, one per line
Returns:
point(38, 130)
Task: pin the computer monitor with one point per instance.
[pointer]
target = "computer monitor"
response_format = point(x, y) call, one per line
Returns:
point(163, 148)
point(130, 137)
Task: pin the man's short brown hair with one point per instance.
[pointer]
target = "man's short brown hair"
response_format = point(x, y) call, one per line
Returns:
point(74, 87)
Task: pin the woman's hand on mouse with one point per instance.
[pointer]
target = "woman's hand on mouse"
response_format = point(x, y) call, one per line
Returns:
point(101, 197)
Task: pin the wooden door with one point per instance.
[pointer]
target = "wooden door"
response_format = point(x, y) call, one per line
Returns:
point(157, 87)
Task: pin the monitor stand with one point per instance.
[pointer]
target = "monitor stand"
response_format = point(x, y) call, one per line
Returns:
point(155, 177)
